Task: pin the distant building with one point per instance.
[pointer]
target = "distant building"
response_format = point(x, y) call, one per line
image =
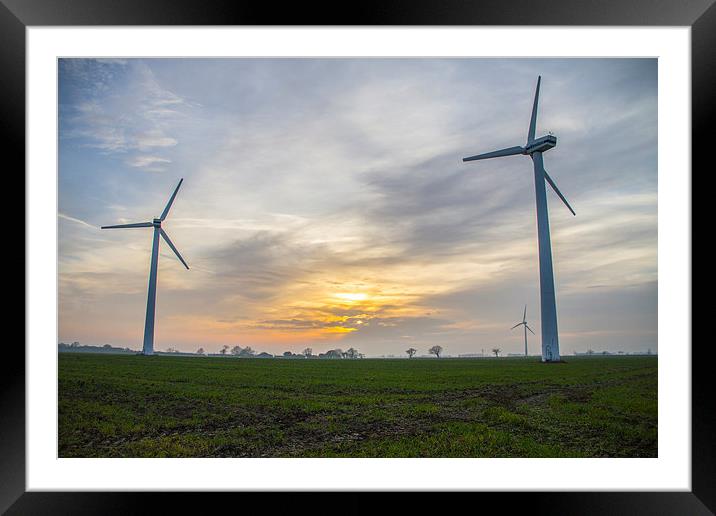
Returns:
point(332, 353)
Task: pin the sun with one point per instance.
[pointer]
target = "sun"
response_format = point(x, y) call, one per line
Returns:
point(352, 296)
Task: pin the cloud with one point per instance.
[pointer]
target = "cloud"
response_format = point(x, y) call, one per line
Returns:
point(147, 162)
point(75, 220)
point(119, 108)
point(154, 138)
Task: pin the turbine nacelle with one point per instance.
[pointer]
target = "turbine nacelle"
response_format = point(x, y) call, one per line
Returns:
point(542, 144)
point(157, 223)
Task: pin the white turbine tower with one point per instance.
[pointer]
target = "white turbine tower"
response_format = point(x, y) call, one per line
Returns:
point(524, 323)
point(534, 148)
point(148, 346)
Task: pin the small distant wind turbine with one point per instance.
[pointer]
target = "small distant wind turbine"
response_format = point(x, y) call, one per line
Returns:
point(548, 307)
point(524, 323)
point(148, 347)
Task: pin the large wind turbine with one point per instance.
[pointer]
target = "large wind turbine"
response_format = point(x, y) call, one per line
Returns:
point(148, 347)
point(534, 148)
point(524, 323)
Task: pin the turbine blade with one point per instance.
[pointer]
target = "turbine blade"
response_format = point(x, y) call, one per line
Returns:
point(516, 325)
point(171, 200)
point(496, 154)
point(530, 329)
point(135, 225)
point(168, 241)
point(524, 316)
point(533, 120)
point(556, 190)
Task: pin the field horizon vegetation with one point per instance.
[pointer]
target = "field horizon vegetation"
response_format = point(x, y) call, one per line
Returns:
point(113, 405)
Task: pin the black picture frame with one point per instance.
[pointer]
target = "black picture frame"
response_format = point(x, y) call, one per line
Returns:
point(17, 15)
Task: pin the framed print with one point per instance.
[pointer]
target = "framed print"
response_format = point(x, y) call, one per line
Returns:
point(342, 224)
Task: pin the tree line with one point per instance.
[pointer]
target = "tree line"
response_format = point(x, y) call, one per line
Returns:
point(437, 351)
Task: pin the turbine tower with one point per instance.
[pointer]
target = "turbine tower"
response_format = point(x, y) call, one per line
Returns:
point(524, 323)
point(534, 148)
point(148, 346)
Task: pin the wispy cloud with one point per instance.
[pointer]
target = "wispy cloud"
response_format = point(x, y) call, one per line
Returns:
point(147, 162)
point(75, 220)
point(118, 107)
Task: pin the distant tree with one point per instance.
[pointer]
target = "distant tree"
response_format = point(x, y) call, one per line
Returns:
point(246, 352)
point(107, 346)
point(411, 352)
point(351, 353)
point(333, 353)
point(590, 352)
point(224, 350)
point(436, 350)
point(236, 350)
point(307, 352)
point(200, 351)
point(75, 344)
point(287, 354)
point(496, 351)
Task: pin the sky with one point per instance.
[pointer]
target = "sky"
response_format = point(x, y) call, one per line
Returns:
point(325, 203)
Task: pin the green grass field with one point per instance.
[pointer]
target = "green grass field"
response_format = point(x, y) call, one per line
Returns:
point(162, 406)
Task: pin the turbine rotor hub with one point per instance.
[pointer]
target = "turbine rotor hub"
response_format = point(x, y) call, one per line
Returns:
point(542, 144)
